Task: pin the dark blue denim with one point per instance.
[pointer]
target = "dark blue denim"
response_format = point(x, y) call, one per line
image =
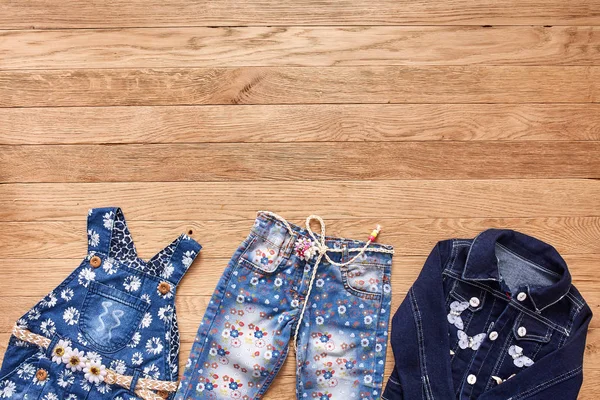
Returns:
point(495, 317)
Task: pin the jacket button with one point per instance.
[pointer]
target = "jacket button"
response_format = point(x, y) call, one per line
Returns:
point(521, 331)
point(163, 393)
point(493, 335)
point(95, 261)
point(474, 302)
point(471, 379)
point(164, 288)
point(41, 375)
point(521, 296)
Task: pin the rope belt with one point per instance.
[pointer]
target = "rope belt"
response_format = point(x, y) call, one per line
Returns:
point(144, 387)
point(321, 249)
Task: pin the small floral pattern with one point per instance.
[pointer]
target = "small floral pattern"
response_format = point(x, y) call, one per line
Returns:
point(244, 335)
point(150, 337)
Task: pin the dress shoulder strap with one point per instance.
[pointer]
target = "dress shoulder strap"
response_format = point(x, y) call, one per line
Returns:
point(100, 224)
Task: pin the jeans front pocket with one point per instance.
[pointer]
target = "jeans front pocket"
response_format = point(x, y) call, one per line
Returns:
point(109, 317)
point(366, 280)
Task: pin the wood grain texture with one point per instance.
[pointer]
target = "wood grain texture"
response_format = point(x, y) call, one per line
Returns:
point(300, 85)
point(300, 123)
point(308, 46)
point(434, 119)
point(63, 239)
point(228, 200)
point(136, 13)
point(234, 162)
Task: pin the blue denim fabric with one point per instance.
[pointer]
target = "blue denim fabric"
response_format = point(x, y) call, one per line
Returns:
point(243, 338)
point(491, 318)
point(113, 312)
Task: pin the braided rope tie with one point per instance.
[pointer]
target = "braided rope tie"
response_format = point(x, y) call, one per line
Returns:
point(143, 388)
point(322, 250)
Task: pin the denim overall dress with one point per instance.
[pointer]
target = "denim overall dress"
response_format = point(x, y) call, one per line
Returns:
point(108, 331)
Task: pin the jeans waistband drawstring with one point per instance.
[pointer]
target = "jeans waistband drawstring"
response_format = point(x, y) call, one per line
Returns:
point(322, 249)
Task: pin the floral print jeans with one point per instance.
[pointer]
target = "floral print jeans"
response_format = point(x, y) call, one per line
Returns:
point(244, 336)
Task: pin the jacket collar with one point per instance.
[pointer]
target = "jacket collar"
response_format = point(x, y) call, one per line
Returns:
point(482, 264)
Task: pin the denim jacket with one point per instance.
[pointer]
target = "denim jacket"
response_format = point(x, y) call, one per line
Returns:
point(495, 317)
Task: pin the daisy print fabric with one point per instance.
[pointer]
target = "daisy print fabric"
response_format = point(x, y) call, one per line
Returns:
point(250, 323)
point(115, 312)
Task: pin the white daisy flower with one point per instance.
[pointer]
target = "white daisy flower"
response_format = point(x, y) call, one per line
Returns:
point(164, 313)
point(342, 309)
point(66, 294)
point(50, 396)
point(93, 238)
point(319, 320)
point(59, 351)
point(320, 283)
point(188, 258)
point(154, 346)
point(152, 371)
point(48, 327)
point(368, 379)
point(75, 360)
point(103, 387)
point(86, 276)
point(34, 314)
point(364, 342)
point(49, 301)
point(22, 323)
point(71, 316)
point(135, 340)
point(7, 389)
point(278, 282)
point(240, 298)
point(368, 319)
point(26, 371)
point(65, 378)
point(167, 271)
point(118, 366)
point(94, 372)
point(146, 321)
point(132, 283)
point(93, 356)
point(146, 298)
point(108, 220)
point(109, 266)
point(137, 358)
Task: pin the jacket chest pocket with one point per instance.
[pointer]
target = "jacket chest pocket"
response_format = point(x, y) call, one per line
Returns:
point(465, 302)
point(109, 317)
point(530, 336)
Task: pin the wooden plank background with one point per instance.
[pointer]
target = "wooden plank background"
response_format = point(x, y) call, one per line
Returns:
point(436, 119)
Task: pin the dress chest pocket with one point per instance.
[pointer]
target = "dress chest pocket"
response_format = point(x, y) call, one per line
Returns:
point(109, 317)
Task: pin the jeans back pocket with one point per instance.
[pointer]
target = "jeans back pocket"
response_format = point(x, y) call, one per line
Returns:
point(109, 317)
point(266, 253)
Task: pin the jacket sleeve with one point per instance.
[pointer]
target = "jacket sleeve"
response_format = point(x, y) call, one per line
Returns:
point(558, 375)
point(419, 330)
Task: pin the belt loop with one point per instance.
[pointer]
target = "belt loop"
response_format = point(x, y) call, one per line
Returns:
point(345, 252)
point(134, 380)
point(53, 342)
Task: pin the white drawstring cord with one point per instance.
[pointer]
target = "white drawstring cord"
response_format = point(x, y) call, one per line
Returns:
point(322, 249)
